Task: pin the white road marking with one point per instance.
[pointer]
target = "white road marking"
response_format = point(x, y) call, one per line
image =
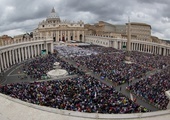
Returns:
point(14, 70)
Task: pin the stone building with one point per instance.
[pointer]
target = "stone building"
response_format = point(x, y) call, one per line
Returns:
point(59, 30)
point(142, 31)
point(107, 29)
point(139, 31)
point(5, 39)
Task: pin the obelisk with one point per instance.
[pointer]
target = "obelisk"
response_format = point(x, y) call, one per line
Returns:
point(128, 46)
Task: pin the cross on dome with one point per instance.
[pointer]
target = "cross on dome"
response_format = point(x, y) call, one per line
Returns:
point(53, 10)
point(53, 14)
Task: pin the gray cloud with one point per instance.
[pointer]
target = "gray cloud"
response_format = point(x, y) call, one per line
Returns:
point(18, 16)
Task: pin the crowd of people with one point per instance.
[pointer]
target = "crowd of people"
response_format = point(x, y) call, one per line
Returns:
point(39, 66)
point(153, 88)
point(149, 60)
point(83, 94)
point(112, 67)
point(72, 51)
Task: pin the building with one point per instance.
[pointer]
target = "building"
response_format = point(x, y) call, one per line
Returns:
point(31, 45)
point(59, 30)
point(107, 29)
point(26, 36)
point(5, 39)
point(139, 31)
point(142, 31)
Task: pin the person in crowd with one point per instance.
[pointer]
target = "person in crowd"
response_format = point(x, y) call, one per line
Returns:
point(153, 88)
point(83, 94)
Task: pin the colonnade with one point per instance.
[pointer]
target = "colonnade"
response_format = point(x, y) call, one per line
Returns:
point(64, 35)
point(136, 45)
point(18, 53)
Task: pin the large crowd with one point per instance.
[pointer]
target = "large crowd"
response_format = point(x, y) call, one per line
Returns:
point(153, 88)
point(110, 64)
point(149, 60)
point(39, 66)
point(72, 51)
point(112, 67)
point(83, 94)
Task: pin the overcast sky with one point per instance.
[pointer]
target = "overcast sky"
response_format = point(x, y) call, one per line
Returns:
point(21, 16)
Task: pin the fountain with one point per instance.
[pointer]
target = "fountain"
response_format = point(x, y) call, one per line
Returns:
point(57, 72)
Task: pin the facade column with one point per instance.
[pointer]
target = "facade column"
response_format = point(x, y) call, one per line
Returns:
point(140, 47)
point(132, 46)
point(58, 36)
point(13, 56)
point(39, 49)
point(10, 57)
point(154, 50)
point(164, 53)
point(115, 44)
point(47, 48)
point(26, 52)
point(3, 56)
point(68, 35)
point(32, 54)
point(83, 36)
point(19, 54)
point(65, 35)
point(35, 50)
point(157, 49)
point(29, 53)
point(2, 64)
point(61, 34)
point(73, 35)
point(23, 56)
point(143, 47)
point(7, 58)
point(147, 48)
point(16, 55)
point(137, 46)
point(42, 47)
point(78, 35)
point(120, 46)
point(52, 48)
point(160, 50)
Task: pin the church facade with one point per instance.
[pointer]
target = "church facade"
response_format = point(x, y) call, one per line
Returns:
point(59, 30)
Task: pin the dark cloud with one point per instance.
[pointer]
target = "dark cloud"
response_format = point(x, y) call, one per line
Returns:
point(154, 1)
point(24, 15)
point(104, 9)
